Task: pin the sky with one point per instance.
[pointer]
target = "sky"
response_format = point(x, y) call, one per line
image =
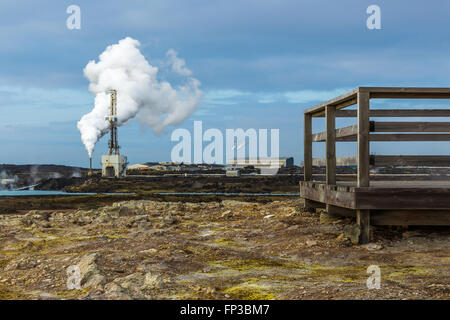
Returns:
point(260, 63)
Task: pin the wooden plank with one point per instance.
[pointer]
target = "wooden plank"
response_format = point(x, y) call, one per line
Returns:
point(307, 146)
point(330, 145)
point(410, 217)
point(342, 101)
point(347, 131)
point(334, 210)
point(429, 161)
point(403, 198)
point(338, 106)
point(406, 137)
point(397, 113)
point(363, 139)
point(392, 137)
point(349, 98)
point(363, 221)
point(407, 92)
point(443, 185)
point(410, 113)
point(327, 194)
point(339, 133)
point(340, 161)
point(319, 136)
point(378, 126)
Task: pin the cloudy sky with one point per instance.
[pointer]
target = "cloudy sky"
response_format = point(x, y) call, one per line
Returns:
point(261, 63)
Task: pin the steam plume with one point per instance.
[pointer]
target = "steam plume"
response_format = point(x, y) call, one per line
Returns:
point(139, 92)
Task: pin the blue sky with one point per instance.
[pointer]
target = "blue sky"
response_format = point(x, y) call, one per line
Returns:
point(261, 63)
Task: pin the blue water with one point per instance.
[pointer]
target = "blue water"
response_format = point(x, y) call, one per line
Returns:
point(37, 193)
point(12, 193)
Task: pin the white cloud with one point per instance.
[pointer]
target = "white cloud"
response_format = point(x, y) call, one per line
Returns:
point(224, 97)
point(233, 96)
point(306, 96)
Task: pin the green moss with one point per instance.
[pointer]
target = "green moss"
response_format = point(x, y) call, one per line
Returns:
point(258, 264)
point(226, 242)
point(401, 271)
point(358, 272)
point(248, 291)
point(7, 294)
point(71, 294)
point(4, 263)
point(42, 246)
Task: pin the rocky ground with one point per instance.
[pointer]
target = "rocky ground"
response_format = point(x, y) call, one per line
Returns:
point(144, 249)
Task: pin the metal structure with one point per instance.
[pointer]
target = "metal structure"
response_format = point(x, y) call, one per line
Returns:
point(393, 202)
point(113, 164)
point(112, 119)
point(90, 166)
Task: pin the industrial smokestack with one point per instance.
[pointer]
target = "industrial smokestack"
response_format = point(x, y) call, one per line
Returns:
point(90, 166)
point(143, 95)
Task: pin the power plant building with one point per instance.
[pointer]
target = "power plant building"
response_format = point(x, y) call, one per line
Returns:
point(261, 163)
point(114, 165)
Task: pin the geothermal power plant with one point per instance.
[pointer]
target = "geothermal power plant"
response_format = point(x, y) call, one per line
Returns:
point(113, 164)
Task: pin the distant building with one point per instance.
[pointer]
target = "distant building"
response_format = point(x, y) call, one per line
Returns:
point(8, 181)
point(261, 163)
point(114, 165)
point(233, 173)
point(158, 167)
point(138, 166)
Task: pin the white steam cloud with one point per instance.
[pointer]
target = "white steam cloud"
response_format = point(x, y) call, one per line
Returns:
point(139, 92)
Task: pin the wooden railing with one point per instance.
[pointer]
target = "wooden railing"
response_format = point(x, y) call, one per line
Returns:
point(365, 131)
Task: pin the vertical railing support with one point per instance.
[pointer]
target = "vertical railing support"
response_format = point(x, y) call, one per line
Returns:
point(330, 118)
point(363, 139)
point(307, 161)
point(363, 216)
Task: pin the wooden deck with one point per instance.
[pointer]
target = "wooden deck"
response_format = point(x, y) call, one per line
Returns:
point(378, 202)
point(381, 195)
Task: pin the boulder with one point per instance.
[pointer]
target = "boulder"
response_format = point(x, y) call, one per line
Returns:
point(352, 232)
point(90, 273)
point(168, 219)
point(227, 214)
point(124, 212)
point(137, 285)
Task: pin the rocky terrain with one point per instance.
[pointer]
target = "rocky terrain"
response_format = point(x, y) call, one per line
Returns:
point(143, 249)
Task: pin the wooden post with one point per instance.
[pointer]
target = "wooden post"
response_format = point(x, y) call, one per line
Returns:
point(330, 118)
point(363, 179)
point(363, 221)
point(363, 139)
point(307, 161)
